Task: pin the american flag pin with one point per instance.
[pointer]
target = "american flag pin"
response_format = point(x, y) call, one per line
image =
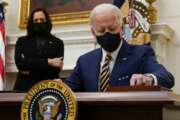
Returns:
point(124, 58)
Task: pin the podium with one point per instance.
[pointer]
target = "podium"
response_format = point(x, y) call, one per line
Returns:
point(125, 105)
point(122, 106)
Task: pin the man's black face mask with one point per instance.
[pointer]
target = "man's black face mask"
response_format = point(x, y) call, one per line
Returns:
point(109, 41)
point(40, 28)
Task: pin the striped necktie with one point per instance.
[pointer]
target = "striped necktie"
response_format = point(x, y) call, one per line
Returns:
point(105, 73)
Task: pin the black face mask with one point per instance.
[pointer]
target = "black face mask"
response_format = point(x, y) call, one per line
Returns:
point(109, 41)
point(40, 28)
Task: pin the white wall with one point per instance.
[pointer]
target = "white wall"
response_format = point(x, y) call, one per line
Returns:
point(77, 38)
point(169, 13)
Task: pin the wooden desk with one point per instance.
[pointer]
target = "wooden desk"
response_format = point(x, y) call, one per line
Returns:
point(145, 105)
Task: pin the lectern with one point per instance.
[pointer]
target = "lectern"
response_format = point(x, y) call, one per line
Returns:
point(124, 105)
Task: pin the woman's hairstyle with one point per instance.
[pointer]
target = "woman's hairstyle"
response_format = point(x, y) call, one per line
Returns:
point(30, 21)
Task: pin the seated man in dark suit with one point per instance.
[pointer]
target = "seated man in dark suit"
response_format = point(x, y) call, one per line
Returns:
point(116, 63)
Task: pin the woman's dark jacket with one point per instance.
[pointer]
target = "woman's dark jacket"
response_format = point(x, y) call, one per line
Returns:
point(31, 58)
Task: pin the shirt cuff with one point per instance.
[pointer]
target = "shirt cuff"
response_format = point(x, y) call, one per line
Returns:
point(154, 78)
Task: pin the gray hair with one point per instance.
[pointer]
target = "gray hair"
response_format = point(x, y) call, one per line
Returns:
point(104, 8)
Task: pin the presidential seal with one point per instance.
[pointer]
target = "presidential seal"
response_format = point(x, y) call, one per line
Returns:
point(49, 100)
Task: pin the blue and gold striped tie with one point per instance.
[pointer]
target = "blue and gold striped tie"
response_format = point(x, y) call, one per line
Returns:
point(105, 74)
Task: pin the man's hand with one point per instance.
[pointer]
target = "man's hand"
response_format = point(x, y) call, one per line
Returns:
point(140, 79)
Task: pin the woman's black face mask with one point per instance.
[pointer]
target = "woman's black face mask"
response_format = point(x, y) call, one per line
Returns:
point(40, 28)
point(109, 41)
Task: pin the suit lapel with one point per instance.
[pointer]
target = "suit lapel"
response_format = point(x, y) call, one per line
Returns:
point(120, 64)
point(31, 46)
point(95, 68)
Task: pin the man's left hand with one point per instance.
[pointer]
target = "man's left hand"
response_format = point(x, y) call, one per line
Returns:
point(141, 79)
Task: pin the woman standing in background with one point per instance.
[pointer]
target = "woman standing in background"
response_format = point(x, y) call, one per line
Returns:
point(39, 54)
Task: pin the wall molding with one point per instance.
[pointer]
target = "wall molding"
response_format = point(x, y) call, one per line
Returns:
point(79, 41)
point(161, 35)
point(162, 29)
point(76, 41)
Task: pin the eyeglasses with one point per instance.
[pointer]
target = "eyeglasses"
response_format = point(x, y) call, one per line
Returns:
point(112, 29)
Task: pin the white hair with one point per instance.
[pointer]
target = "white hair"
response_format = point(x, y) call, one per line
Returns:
point(105, 8)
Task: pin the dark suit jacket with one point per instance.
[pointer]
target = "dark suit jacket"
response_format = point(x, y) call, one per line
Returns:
point(131, 59)
point(33, 58)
